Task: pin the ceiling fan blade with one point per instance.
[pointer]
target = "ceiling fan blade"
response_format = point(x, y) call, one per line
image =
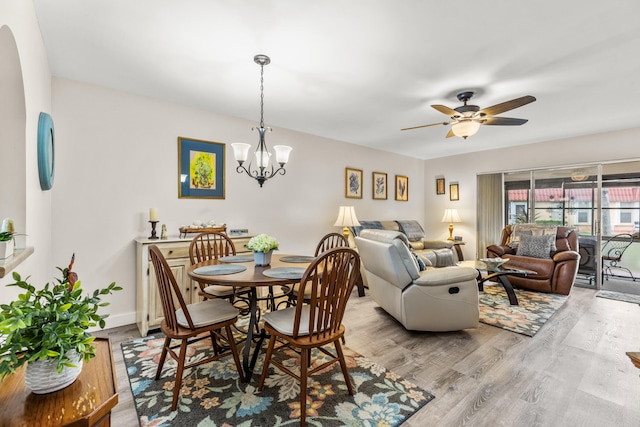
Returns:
point(502, 121)
point(450, 133)
point(506, 106)
point(446, 110)
point(426, 126)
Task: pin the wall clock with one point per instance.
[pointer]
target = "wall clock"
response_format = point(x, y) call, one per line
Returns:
point(45, 151)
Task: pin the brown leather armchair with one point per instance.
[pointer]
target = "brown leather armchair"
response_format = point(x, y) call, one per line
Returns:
point(555, 274)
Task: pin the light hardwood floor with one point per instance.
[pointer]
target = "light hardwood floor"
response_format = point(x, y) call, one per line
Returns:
point(574, 372)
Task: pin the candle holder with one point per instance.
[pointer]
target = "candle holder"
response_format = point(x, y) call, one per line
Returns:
point(153, 230)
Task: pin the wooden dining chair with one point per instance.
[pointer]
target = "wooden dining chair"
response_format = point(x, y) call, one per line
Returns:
point(329, 241)
point(191, 323)
point(316, 324)
point(213, 245)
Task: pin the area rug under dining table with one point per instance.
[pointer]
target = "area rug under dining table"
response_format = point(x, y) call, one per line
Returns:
point(212, 394)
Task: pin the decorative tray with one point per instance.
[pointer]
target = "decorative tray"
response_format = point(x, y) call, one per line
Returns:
point(189, 230)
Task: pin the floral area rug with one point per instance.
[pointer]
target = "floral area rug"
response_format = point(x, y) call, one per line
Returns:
point(531, 313)
point(213, 396)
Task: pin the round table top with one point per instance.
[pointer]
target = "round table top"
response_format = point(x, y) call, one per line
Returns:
point(252, 276)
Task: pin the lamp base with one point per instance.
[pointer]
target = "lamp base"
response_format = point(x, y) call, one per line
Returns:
point(450, 232)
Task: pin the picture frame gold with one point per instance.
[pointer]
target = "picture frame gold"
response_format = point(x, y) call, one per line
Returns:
point(379, 186)
point(353, 183)
point(402, 188)
point(440, 188)
point(454, 192)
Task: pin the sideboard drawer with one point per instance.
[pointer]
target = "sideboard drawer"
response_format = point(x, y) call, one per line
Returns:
point(174, 250)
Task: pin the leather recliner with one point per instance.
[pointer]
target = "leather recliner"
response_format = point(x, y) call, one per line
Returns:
point(555, 274)
point(435, 299)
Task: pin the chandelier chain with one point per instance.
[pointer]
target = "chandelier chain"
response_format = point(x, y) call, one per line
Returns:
point(262, 96)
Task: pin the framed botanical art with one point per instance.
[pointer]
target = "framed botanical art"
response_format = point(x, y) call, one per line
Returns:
point(440, 186)
point(454, 192)
point(353, 183)
point(379, 186)
point(201, 171)
point(402, 188)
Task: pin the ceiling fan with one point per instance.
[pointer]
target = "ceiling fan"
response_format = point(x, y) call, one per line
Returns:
point(466, 119)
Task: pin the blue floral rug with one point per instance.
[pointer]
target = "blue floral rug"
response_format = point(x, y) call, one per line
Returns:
point(531, 313)
point(212, 395)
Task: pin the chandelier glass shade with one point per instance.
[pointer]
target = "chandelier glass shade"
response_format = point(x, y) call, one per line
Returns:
point(260, 166)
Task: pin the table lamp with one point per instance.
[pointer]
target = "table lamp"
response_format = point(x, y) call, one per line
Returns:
point(450, 216)
point(346, 218)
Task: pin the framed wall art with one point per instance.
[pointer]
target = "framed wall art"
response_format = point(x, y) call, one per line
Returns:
point(440, 186)
point(201, 169)
point(402, 188)
point(353, 183)
point(454, 192)
point(379, 186)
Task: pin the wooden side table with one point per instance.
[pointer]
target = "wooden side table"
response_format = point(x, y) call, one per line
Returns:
point(86, 402)
point(456, 245)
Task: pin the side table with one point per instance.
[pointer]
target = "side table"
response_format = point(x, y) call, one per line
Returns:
point(86, 402)
point(456, 245)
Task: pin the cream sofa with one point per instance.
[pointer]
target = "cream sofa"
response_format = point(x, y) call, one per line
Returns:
point(439, 253)
point(435, 299)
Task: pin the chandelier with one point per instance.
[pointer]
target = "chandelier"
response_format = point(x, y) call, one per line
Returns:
point(263, 169)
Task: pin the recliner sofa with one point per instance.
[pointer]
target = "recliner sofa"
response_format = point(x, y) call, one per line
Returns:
point(439, 253)
point(555, 268)
point(435, 299)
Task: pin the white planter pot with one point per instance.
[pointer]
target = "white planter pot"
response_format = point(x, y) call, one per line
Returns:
point(262, 258)
point(41, 376)
point(6, 249)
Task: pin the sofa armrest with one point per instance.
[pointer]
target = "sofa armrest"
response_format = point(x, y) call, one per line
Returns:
point(437, 244)
point(445, 276)
point(499, 250)
point(566, 256)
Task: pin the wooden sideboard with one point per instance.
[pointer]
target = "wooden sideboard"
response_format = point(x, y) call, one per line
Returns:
point(176, 251)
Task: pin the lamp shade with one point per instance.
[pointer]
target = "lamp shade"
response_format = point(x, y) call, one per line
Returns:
point(465, 128)
point(451, 215)
point(347, 217)
point(282, 153)
point(240, 151)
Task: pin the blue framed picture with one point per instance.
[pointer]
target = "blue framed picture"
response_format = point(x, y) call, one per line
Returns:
point(201, 169)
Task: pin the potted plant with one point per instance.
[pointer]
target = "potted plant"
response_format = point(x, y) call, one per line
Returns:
point(262, 246)
point(7, 242)
point(47, 329)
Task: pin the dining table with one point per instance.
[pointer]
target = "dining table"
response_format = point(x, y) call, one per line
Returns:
point(241, 271)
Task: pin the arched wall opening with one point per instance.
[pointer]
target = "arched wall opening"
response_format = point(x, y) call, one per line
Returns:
point(13, 191)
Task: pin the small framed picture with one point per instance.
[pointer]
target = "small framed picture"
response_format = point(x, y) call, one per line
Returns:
point(440, 186)
point(402, 188)
point(453, 192)
point(379, 186)
point(353, 183)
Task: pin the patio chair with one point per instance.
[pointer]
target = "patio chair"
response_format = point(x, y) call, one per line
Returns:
point(612, 252)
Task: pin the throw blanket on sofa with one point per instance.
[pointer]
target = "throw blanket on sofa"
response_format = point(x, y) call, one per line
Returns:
point(412, 229)
point(371, 225)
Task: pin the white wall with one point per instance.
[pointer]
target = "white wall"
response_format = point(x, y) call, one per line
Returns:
point(117, 157)
point(620, 145)
point(19, 16)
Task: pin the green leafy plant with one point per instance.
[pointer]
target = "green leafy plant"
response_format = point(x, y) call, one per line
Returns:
point(262, 243)
point(48, 322)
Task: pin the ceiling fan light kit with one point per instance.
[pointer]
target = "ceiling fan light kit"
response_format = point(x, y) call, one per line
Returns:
point(466, 119)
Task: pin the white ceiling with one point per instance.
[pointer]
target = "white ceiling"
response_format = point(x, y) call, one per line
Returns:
point(360, 70)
